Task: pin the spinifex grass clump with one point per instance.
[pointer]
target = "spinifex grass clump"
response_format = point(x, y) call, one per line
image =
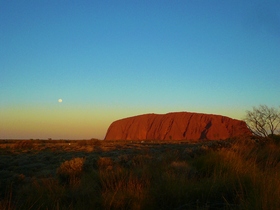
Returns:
point(123, 188)
point(24, 144)
point(70, 172)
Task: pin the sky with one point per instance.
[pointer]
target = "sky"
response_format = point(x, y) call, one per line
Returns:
point(109, 60)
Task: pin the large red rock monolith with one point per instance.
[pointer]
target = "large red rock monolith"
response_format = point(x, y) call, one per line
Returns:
point(177, 126)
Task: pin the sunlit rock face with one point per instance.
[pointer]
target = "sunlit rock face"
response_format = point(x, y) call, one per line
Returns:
point(177, 126)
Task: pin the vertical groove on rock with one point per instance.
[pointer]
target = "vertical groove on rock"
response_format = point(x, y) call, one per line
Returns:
point(128, 125)
point(187, 126)
point(150, 126)
point(159, 130)
point(168, 128)
point(203, 135)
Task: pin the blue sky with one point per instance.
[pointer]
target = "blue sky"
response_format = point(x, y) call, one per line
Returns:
point(113, 59)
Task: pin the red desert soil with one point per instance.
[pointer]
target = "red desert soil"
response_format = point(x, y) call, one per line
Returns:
point(177, 126)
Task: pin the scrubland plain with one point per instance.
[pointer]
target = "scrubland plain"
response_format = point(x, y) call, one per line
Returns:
point(93, 174)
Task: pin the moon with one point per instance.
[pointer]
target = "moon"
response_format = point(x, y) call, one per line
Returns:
point(60, 100)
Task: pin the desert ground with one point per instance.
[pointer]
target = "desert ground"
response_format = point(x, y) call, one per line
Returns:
point(241, 173)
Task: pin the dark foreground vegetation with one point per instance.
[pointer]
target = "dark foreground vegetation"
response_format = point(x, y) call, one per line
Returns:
point(232, 174)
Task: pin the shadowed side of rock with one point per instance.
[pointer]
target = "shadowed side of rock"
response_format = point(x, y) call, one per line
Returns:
point(176, 126)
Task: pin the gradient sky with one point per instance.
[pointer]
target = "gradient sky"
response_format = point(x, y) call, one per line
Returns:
point(112, 59)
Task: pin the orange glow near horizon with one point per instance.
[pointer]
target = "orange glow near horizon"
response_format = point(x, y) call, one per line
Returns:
point(71, 122)
point(25, 123)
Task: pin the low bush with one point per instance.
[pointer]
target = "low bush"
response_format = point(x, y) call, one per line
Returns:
point(24, 144)
point(70, 171)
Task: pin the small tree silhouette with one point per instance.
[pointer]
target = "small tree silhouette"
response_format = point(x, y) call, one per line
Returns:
point(263, 121)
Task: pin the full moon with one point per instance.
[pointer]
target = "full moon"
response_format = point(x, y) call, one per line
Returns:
point(60, 100)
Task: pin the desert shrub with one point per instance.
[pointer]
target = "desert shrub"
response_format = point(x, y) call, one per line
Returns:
point(90, 163)
point(96, 142)
point(24, 144)
point(40, 194)
point(91, 142)
point(6, 180)
point(83, 143)
point(70, 172)
point(124, 160)
point(105, 163)
point(123, 188)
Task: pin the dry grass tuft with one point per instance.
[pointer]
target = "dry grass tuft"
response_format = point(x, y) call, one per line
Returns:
point(105, 163)
point(70, 171)
point(24, 144)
